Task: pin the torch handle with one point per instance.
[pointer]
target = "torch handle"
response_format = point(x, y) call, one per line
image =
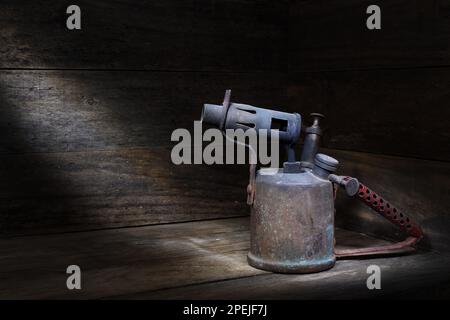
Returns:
point(388, 211)
point(354, 188)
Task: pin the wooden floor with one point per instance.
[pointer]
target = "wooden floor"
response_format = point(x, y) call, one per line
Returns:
point(195, 260)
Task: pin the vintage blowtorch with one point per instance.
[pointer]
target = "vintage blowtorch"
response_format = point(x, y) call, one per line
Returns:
point(292, 209)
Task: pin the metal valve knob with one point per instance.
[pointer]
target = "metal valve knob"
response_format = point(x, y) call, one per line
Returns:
point(350, 184)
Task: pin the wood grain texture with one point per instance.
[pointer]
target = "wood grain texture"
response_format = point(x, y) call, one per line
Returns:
point(124, 262)
point(332, 35)
point(228, 35)
point(396, 112)
point(419, 188)
point(60, 192)
point(52, 123)
point(420, 276)
point(54, 111)
point(391, 112)
point(56, 192)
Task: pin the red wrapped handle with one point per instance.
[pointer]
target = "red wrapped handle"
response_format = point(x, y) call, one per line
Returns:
point(387, 210)
point(354, 188)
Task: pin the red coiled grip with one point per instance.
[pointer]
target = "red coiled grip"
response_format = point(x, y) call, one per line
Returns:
point(387, 210)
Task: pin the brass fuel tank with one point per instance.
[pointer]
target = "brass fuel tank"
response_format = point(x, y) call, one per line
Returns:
point(292, 218)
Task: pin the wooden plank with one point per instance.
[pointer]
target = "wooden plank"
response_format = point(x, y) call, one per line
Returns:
point(231, 35)
point(53, 111)
point(422, 276)
point(46, 113)
point(397, 112)
point(419, 188)
point(60, 192)
point(131, 260)
point(332, 35)
point(124, 260)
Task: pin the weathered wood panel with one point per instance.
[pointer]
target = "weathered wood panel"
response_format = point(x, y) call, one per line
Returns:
point(56, 118)
point(55, 192)
point(223, 35)
point(419, 188)
point(60, 192)
point(131, 260)
point(397, 112)
point(332, 35)
point(53, 111)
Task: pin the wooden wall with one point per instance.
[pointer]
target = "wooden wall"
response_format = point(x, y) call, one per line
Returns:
point(86, 116)
point(191, 35)
point(386, 95)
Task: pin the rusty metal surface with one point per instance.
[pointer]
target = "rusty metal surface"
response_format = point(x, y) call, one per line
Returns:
point(292, 223)
point(292, 218)
point(402, 247)
point(312, 139)
point(231, 115)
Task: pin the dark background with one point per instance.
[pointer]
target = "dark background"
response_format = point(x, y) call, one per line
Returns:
point(86, 115)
